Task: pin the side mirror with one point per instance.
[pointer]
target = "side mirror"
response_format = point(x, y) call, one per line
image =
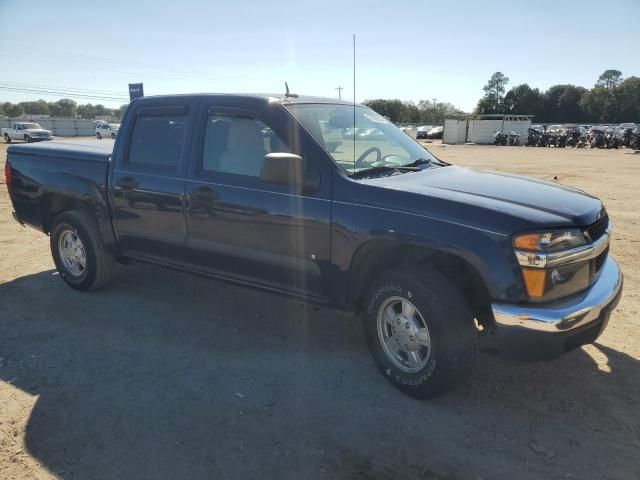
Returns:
point(287, 169)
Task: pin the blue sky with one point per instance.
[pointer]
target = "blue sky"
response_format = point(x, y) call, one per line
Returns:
point(410, 50)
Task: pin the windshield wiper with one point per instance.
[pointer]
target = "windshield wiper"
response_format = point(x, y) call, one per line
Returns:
point(418, 162)
point(383, 169)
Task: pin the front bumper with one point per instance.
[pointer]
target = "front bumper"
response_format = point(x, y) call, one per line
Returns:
point(544, 332)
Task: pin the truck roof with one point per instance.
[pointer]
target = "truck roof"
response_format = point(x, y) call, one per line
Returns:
point(258, 97)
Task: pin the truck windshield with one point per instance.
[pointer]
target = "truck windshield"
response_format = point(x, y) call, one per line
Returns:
point(371, 143)
point(31, 126)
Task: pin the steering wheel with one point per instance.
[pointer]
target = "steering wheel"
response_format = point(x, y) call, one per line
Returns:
point(360, 161)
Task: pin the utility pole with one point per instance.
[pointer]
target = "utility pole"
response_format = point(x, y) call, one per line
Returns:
point(339, 88)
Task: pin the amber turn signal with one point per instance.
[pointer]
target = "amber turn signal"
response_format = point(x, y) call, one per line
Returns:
point(534, 280)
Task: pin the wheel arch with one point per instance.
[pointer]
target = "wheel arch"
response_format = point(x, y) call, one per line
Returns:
point(53, 204)
point(376, 256)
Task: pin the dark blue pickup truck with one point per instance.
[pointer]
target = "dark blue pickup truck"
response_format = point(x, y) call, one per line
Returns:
point(435, 258)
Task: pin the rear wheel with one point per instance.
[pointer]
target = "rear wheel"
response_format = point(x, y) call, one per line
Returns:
point(79, 254)
point(7, 138)
point(420, 332)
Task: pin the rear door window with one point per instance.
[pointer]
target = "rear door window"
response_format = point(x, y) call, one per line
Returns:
point(157, 142)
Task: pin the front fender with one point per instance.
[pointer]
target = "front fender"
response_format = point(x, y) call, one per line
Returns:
point(357, 226)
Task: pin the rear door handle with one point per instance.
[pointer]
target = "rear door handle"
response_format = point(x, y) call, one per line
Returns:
point(206, 194)
point(127, 183)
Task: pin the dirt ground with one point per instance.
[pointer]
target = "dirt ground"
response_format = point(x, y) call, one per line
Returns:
point(169, 376)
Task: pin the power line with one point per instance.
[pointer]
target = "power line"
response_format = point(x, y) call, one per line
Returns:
point(64, 93)
point(339, 88)
point(57, 87)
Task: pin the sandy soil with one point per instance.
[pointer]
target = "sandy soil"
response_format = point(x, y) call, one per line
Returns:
point(164, 375)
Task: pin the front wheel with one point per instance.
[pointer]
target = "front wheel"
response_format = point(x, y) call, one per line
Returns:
point(27, 138)
point(420, 332)
point(98, 136)
point(79, 253)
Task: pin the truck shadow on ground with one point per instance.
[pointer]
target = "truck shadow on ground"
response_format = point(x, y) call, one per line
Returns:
point(164, 375)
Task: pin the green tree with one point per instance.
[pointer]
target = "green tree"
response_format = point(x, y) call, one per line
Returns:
point(119, 112)
point(425, 111)
point(627, 97)
point(63, 108)
point(12, 110)
point(86, 110)
point(599, 104)
point(1, 110)
point(39, 107)
point(434, 112)
point(523, 100)
point(392, 109)
point(609, 79)
point(493, 93)
point(103, 111)
point(562, 103)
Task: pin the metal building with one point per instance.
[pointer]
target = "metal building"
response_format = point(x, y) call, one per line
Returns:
point(481, 128)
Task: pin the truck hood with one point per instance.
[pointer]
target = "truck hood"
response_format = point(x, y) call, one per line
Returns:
point(485, 196)
point(37, 130)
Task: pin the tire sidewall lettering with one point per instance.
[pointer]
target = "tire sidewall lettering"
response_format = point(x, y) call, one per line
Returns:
point(389, 370)
point(379, 295)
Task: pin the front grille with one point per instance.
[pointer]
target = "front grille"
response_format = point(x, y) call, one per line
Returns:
point(600, 259)
point(598, 229)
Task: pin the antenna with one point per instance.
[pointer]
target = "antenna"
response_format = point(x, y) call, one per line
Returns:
point(288, 93)
point(354, 103)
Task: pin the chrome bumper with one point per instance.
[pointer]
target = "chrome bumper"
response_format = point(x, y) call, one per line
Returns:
point(546, 331)
point(566, 314)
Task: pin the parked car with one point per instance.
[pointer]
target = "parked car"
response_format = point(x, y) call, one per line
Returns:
point(436, 132)
point(26, 131)
point(107, 130)
point(370, 134)
point(422, 132)
point(434, 258)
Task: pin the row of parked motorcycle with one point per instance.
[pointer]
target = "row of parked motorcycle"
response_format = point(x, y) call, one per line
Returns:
point(582, 137)
point(572, 136)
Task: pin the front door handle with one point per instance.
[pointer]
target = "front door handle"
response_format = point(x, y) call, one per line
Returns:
point(127, 183)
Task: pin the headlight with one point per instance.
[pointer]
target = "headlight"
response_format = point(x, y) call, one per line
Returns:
point(553, 263)
point(552, 241)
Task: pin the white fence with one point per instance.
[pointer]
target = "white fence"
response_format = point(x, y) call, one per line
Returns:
point(455, 131)
point(64, 127)
point(481, 130)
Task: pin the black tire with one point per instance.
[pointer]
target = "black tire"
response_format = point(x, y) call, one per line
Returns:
point(98, 136)
point(113, 136)
point(27, 138)
point(449, 319)
point(100, 263)
point(7, 138)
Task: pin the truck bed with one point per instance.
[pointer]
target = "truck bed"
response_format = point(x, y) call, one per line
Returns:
point(44, 175)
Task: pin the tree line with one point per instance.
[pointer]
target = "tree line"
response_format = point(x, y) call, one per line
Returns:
point(65, 108)
point(425, 111)
point(612, 99)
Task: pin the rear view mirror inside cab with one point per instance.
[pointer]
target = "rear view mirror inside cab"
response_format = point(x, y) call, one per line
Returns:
point(340, 120)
